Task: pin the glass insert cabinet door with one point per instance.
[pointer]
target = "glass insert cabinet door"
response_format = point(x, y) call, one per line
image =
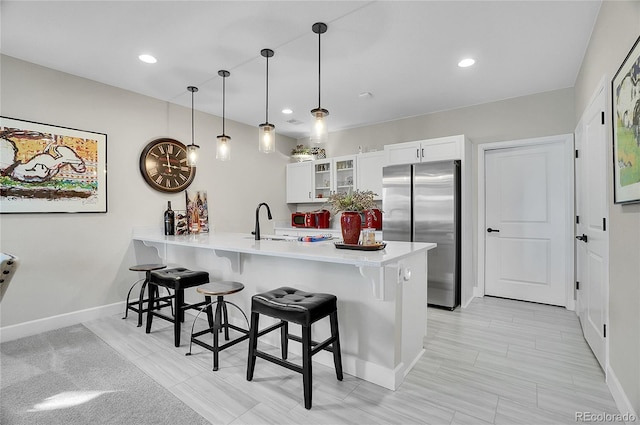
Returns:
point(344, 175)
point(333, 175)
point(323, 179)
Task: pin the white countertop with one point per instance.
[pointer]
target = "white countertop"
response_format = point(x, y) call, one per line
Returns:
point(323, 251)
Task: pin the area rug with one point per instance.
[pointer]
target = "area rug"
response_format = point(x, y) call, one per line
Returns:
point(70, 376)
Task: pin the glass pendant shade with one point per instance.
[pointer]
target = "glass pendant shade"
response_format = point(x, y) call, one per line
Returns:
point(223, 149)
point(319, 131)
point(267, 138)
point(192, 155)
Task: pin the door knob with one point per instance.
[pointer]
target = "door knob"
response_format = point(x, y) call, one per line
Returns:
point(492, 230)
point(582, 238)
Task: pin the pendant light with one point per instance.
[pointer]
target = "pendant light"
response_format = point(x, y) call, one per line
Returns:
point(267, 132)
point(192, 149)
point(223, 150)
point(319, 133)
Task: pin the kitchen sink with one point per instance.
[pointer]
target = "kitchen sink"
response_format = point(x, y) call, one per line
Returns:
point(275, 238)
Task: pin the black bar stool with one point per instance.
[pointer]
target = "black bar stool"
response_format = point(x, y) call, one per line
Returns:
point(177, 279)
point(303, 308)
point(220, 322)
point(137, 306)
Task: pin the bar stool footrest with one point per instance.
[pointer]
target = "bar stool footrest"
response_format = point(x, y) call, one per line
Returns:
point(284, 363)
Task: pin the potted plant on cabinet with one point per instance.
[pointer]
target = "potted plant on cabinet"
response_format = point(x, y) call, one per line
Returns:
point(302, 153)
point(351, 205)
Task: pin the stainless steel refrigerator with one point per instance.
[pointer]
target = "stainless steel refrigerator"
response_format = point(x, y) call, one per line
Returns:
point(421, 203)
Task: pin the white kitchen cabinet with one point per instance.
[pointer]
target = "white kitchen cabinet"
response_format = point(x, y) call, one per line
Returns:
point(345, 174)
point(439, 149)
point(299, 182)
point(322, 182)
point(333, 175)
point(369, 172)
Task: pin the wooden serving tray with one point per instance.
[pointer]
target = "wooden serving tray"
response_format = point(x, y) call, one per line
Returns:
point(377, 247)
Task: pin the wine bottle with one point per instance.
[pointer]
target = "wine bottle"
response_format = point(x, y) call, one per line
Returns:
point(169, 220)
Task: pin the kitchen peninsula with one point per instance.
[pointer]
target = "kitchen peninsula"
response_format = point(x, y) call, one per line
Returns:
point(381, 294)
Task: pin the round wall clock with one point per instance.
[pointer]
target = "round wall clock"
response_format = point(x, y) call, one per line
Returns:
point(163, 164)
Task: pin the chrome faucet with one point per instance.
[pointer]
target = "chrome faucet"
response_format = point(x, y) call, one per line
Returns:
point(257, 231)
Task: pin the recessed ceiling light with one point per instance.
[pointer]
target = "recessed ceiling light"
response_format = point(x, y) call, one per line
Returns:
point(147, 59)
point(287, 111)
point(464, 63)
point(365, 95)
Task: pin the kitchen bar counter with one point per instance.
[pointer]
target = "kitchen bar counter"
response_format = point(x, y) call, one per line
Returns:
point(381, 294)
point(279, 246)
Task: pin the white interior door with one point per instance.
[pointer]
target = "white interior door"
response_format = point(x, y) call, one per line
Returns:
point(592, 247)
point(526, 206)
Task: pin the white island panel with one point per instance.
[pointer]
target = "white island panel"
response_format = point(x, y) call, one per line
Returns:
point(381, 294)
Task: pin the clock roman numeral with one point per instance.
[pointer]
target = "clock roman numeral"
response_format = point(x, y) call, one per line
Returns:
point(183, 177)
point(161, 149)
point(153, 172)
point(159, 180)
point(186, 169)
point(170, 149)
point(168, 183)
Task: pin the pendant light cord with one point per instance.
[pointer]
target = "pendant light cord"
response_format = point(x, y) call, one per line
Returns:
point(319, 35)
point(223, 102)
point(266, 115)
point(192, 118)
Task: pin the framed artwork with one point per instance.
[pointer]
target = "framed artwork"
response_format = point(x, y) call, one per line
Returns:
point(197, 211)
point(625, 90)
point(50, 169)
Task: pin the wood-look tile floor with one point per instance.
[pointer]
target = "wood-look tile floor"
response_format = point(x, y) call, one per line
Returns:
point(498, 361)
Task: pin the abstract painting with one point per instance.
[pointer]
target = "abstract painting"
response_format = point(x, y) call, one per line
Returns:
point(625, 90)
point(47, 169)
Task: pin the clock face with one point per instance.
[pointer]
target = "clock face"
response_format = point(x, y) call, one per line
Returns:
point(163, 164)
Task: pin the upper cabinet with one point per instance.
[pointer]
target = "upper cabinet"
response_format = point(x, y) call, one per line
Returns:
point(333, 175)
point(345, 174)
point(315, 181)
point(299, 182)
point(425, 150)
point(369, 172)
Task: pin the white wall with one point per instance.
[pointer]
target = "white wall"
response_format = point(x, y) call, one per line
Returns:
point(615, 32)
point(539, 115)
point(72, 262)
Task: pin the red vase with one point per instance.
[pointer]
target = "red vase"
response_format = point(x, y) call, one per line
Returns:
point(351, 224)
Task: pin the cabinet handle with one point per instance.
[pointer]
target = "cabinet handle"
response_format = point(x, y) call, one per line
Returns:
point(423, 152)
point(418, 153)
point(309, 195)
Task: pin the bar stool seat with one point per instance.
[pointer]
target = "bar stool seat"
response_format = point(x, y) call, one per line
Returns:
point(138, 306)
point(220, 321)
point(304, 308)
point(178, 279)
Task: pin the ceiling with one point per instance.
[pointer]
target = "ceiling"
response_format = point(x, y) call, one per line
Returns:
point(404, 53)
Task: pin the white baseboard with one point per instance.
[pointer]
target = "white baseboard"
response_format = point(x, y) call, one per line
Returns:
point(477, 293)
point(34, 327)
point(620, 397)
